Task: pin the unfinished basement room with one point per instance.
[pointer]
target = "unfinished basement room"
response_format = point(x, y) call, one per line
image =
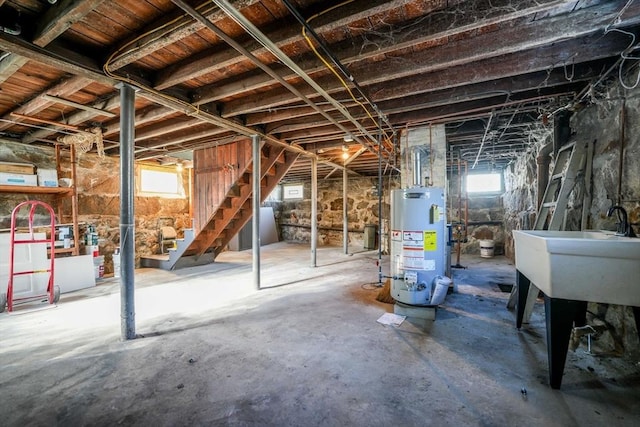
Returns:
point(320, 213)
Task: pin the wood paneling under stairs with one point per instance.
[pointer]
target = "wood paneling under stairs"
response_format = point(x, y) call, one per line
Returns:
point(223, 200)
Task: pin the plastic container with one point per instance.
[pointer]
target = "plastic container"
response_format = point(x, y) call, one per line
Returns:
point(486, 248)
point(116, 264)
point(440, 289)
point(98, 266)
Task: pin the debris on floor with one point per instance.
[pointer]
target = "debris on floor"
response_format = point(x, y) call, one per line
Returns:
point(391, 319)
point(385, 293)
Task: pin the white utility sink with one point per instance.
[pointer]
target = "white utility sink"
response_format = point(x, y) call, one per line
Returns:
point(596, 266)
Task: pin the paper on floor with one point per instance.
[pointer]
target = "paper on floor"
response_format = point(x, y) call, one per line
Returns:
point(391, 319)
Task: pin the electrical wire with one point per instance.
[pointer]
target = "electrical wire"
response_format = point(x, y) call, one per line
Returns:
point(345, 72)
point(625, 56)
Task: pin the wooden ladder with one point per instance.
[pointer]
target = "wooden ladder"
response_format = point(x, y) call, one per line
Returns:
point(573, 163)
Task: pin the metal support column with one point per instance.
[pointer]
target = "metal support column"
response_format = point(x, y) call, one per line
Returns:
point(127, 218)
point(380, 205)
point(255, 141)
point(345, 217)
point(314, 210)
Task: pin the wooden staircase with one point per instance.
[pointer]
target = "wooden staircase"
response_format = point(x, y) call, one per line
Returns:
point(232, 213)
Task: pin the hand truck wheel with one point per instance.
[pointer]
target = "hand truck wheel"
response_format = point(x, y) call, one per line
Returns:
point(56, 293)
point(3, 302)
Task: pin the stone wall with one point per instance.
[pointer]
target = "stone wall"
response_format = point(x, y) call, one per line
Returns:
point(98, 188)
point(599, 122)
point(294, 216)
point(485, 217)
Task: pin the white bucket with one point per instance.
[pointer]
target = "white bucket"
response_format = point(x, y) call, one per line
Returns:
point(116, 265)
point(486, 248)
point(98, 266)
point(441, 287)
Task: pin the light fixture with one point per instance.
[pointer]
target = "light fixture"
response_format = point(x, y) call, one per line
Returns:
point(179, 166)
point(345, 151)
point(348, 138)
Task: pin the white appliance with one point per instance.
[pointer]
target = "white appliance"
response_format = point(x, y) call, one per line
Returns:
point(418, 243)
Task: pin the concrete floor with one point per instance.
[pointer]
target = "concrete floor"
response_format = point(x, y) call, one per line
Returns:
point(305, 351)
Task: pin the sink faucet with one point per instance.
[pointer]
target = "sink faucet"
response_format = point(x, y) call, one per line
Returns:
point(623, 226)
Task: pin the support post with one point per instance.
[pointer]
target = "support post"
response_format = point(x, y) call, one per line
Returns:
point(127, 218)
point(314, 210)
point(380, 204)
point(255, 141)
point(345, 217)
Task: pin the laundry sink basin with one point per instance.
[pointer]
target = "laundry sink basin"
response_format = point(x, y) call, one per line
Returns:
point(594, 266)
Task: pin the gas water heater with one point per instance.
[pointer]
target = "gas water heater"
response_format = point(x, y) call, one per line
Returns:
point(418, 243)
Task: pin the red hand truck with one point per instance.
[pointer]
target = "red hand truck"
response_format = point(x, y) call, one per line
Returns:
point(53, 292)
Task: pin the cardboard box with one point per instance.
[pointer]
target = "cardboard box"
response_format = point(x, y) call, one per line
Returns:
point(18, 179)
point(47, 177)
point(19, 168)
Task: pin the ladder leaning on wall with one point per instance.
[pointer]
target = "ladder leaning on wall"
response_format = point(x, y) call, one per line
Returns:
point(573, 163)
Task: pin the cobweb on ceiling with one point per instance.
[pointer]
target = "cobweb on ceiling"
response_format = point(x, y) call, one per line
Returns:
point(84, 141)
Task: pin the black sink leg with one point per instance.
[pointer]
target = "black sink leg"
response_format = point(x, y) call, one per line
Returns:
point(636, 315)
point(523, 285)
point(560, 315)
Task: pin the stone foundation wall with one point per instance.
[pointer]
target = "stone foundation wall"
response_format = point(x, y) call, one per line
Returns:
point(294, 216)
point(98, 189)
point(599, 122)
point(485, 218)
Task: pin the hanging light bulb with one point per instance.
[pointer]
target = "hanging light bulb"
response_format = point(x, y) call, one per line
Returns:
point(345, 151)
point(179, 166)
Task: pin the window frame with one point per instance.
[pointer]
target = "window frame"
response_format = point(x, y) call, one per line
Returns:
point(485, 192)
point(141, 192)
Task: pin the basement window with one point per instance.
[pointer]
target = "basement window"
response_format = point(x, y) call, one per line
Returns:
point(160, 182)
point(293, 192)
point(484, 183)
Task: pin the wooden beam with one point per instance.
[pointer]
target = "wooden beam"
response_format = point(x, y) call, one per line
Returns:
point(11, 64)
point(168, 30)
point(287, 35)
point(169, 141)
point(57, 57)
point(59, 17)
point(74, 119)
point(406, 101)
point(149, 114)
point(85, 68)
point(95, 111)
point(45, 121)
point(510, 40)
point(438, 30)
point(37, 104)
point(166, 127)
point(438, 75)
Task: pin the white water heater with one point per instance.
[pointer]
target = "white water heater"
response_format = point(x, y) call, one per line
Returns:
point(418, 243)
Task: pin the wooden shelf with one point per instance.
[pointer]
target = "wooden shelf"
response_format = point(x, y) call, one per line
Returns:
point(26, 189)
point(62, 192)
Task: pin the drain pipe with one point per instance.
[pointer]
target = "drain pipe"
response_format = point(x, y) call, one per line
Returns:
point(621, 158)
point(542, 160)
